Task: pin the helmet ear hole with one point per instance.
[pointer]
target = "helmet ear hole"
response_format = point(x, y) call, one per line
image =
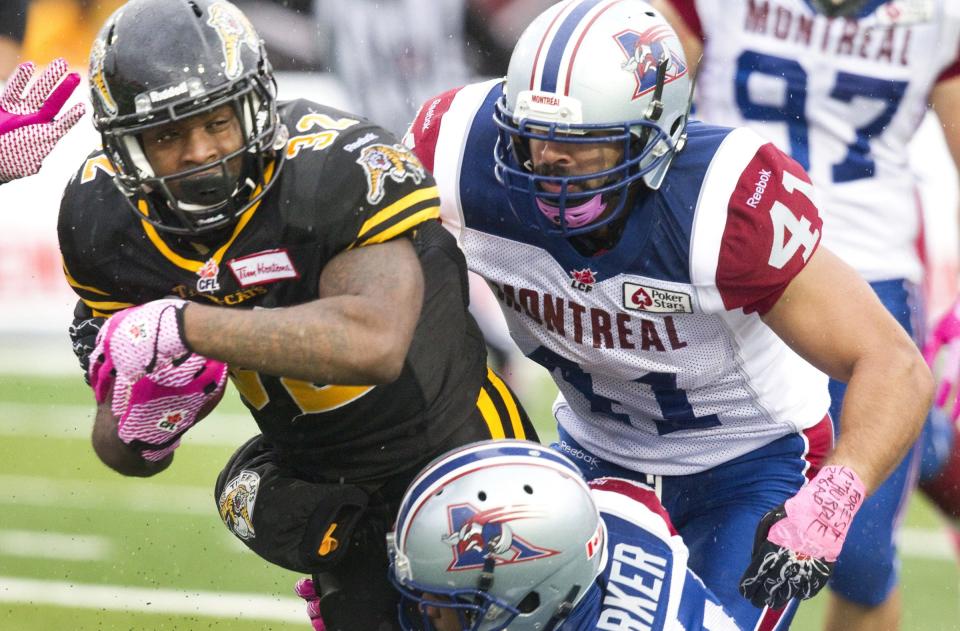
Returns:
point(528, 489)
point(529, 603)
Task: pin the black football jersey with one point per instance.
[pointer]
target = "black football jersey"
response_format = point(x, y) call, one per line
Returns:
point(344, 183)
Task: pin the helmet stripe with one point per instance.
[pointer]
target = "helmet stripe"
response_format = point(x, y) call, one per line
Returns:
point(550, 75)
point(576, 48)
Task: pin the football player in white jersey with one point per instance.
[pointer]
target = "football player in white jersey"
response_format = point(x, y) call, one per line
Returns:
point(842, 86)
point(670, 277)
point(507, 535)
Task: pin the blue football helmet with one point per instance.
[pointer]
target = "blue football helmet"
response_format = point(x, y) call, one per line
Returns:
point(591, 71)
point(498, 534)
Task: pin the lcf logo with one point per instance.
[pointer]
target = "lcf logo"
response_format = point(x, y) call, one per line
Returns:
point(475, 535)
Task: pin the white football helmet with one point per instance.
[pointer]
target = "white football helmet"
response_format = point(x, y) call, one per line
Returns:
point(591, 71)
point(502, 533)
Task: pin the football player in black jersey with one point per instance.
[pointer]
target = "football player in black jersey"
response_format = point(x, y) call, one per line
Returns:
point(304, 244)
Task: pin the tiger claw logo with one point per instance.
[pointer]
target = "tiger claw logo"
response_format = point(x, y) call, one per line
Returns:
point(234, 30)
point(97, 55)
point(475, 535)
point(236, 503)
point(388, 162)
point(644, 52)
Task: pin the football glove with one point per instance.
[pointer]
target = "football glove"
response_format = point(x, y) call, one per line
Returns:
point(945, 340)
point(304, 589)
point(158, 389)
point(28, 129)
point(797, 543)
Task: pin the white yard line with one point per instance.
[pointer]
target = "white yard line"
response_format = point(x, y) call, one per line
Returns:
point(122, 495)
point(54, 545)
point(155, 601)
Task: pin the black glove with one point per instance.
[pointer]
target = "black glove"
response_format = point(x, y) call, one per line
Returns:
point(776, 574)
point(83, 336)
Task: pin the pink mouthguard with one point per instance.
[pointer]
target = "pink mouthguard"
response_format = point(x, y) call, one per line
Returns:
point(575, 216)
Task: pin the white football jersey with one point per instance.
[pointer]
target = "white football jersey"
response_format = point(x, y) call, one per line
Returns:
point(656, 345)
point(843, 97)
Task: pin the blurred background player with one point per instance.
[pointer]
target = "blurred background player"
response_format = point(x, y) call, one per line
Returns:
point(13, 23)
point(669, 277)
point(507, 535)
point(220, 226)
point(842, 86)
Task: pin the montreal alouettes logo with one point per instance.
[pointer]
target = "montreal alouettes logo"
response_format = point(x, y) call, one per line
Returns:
point(644, 52)
point(476, 535)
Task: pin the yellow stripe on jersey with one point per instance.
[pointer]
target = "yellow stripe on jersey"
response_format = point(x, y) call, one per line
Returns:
point(397, 207)
point(417, 218)
point(101, 309)
point(508, 401)
point(76, 285)
point(189, 264)
point(489, 412)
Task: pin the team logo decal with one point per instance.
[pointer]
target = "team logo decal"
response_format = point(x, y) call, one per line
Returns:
point(168, 422)
point(99, 84)
point(583, 279)
point(644, 52)
point(236, 503)
point(476, 535)
point(234, 30)
point(207, 282)
point(383, 162)
point(655, 299)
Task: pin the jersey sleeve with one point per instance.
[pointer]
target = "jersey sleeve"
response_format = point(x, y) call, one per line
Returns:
point(424, 131)
point(85, 230)
point(687, 9)
point(772, 229)
point(383, 188)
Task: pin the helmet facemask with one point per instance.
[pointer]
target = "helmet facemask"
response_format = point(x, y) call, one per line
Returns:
point(646, 149)
point(200, 204)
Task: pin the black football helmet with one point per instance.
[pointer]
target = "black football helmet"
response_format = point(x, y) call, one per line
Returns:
point(839, 8)
point(158, 61)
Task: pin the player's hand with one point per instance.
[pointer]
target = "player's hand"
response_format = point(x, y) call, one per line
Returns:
point(942, 352)
point(28, 129)
point(304, 589)
point(797, 543)
point(157, 388)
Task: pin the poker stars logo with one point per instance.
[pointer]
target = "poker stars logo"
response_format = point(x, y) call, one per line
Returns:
point(475, 535)
point(645, 50)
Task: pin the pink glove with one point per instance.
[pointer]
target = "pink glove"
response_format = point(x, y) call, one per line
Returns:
point(946, 334)
point(304, 589)
point(159, 388)
point(797, 543)
point(819, 515)
point(28, 129)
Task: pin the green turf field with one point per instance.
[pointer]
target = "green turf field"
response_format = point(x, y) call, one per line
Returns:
point(82, 548)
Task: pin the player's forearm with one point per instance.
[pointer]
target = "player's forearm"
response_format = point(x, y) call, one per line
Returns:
point(338, 340)
point(887, 399)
